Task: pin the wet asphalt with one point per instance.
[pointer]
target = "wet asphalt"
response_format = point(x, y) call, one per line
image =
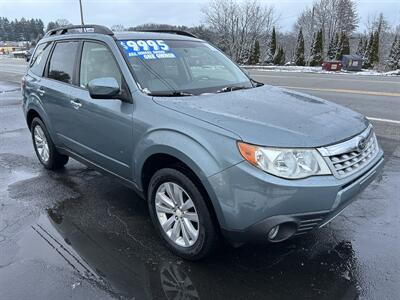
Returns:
point(77, 234)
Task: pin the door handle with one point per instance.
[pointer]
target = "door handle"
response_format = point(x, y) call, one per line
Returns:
point(41, 91)
point(76, 104)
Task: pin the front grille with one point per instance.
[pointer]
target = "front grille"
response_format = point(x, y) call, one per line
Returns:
point(347, 158)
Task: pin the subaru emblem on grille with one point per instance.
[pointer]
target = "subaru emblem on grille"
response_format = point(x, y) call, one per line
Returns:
point(361, 144)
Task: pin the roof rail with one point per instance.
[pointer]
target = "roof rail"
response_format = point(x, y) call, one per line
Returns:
point(173, 31)
point(84, 28)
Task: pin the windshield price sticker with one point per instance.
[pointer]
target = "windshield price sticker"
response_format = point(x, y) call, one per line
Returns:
point(147, 49)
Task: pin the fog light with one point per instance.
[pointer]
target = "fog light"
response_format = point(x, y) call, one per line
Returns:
point(273, 232)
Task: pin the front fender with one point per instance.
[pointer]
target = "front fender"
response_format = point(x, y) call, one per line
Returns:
point(202, 157)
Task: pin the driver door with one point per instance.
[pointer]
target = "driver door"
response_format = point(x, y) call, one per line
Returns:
point(103, 133)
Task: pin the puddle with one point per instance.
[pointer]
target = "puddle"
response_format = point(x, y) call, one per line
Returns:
point(124, 268)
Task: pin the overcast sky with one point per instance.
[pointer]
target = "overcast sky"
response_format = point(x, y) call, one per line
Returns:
point(177, 12)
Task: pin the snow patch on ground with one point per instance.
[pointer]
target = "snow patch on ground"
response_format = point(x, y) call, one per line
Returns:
point(318, 70)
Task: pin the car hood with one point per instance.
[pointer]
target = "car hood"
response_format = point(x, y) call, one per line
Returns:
point(272, 116)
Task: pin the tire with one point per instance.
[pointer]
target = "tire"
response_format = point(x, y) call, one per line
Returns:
point(207, 237)
point(53, 160)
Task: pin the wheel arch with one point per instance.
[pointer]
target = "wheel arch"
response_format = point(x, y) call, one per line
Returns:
point(192, 158)
point(30, 115)
point(36, 110)
point(159, 161)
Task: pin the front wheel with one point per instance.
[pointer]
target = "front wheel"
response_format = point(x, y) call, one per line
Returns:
point(180, 214)
point(44, 147)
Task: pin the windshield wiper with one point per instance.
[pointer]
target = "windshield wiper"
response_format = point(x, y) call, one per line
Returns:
point(170, 94)
point(256, 83)
point(231, 88)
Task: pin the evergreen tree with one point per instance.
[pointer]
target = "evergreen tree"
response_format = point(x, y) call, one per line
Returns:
point(316, 57)
point(367, 62)
point(299, 53)
point(332, 48)
point(20, 30)
point(279, 57)
point(255, 54)
point(337, 45)
point(393, 62)
point(375, 48)
point(282, 57)
point(361, 47)
point(344, 46)
point(271, 47)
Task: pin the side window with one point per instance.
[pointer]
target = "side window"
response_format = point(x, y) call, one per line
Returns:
point(38, 60)
point(62, 61)
point(97, 62)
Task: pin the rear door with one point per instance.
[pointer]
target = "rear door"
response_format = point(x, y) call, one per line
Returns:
point(102, 128)
point(57, 87)
point(33, 79)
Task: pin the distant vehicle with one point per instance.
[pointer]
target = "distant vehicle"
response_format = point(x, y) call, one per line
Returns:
point(18, 54)
point(28, 54)
point(213, 152)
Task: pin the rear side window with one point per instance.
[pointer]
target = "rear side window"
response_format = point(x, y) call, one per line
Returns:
point(62, 62)
point(38, 60)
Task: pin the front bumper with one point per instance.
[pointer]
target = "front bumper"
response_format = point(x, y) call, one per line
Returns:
point(252, 202)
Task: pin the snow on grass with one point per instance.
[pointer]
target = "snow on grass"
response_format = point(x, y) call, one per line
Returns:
point(318, 70)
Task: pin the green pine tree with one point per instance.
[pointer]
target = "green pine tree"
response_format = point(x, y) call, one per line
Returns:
point(360, 47)
point(337, 46)
point(271, 47)
point(282, 57)
point(344, 46)
point(316, 57)
point(375, 49)
point(332, 47)
point(299, 53)
point(279, 57)
point(255, 54)
point(393, 62)
point(367, 62)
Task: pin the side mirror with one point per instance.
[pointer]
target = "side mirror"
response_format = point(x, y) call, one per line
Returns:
point(103, 88)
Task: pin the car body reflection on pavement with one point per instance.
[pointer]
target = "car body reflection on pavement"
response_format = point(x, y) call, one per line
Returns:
point(285, 271)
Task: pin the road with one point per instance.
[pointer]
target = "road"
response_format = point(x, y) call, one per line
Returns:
point(76, 234)
point(357, 92)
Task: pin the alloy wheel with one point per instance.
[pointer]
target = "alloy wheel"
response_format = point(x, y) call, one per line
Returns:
point(177, 214)
point(41, 143)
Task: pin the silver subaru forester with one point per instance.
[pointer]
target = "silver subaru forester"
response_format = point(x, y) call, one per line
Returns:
point(214, 153)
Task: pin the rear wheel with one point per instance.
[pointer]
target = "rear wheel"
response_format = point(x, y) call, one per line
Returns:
point(45, 150)
point(180, 214)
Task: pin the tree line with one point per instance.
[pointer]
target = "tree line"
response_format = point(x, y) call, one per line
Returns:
point(248, 31)
point(21, 30)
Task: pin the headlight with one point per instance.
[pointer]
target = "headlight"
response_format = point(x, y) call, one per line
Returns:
point(286, 163)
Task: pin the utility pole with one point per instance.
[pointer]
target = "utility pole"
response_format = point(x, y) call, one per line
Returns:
point(80, 5)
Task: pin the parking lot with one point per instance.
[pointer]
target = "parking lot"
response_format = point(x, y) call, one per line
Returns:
point(79, 234)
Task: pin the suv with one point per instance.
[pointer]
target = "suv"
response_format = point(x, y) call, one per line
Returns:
point(214, 153)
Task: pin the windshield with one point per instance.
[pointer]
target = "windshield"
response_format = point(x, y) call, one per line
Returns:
point(172, 67)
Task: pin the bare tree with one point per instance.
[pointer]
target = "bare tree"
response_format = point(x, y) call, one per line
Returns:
point(118, 28)
point(239, 24)
point(332, 16)
point(63, 22)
